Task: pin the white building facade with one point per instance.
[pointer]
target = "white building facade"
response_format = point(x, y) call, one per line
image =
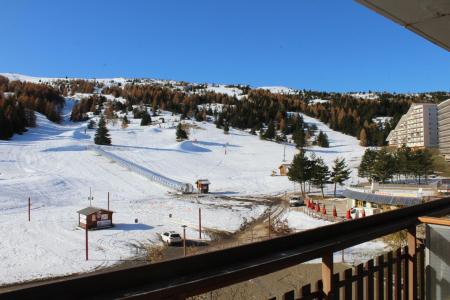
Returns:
point(418, 128)
point(444, 128)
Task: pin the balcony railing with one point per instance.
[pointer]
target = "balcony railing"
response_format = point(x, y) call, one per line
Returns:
point(385, 277)
point(197, 274)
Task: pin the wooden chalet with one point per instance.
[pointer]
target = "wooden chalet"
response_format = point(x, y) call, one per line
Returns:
point(284, 169)
point(94, 218)
point(203, 185)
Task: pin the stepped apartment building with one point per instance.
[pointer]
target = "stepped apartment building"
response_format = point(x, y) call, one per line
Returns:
point(444, 128)
point(418, 128)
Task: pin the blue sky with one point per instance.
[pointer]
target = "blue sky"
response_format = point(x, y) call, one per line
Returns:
point(311, 44)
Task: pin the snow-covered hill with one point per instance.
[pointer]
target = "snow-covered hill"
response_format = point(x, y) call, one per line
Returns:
point(279, 90)
point(121, 81)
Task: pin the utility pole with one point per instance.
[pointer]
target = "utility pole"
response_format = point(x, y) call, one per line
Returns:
point(200, 223)
point(87, 243)
point(29, 209)
point(184, 239)
point(108, 200)
point(284, 153)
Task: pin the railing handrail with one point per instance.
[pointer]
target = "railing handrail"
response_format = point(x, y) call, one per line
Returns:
point(208, 271)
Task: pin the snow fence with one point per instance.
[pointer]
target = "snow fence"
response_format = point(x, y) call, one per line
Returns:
point(185, 188)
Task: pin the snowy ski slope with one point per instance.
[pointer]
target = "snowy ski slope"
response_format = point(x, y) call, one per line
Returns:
point(53, 165)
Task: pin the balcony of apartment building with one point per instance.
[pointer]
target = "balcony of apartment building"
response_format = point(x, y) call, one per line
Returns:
point(444, 148)
point(444, 118)
point(414, 271)
point(415, 125)
point(445, 121)
point(417, 140)
point(444, 110)
point(444, 131)
point(444, 138)
point(415, 135)
point(444, 142)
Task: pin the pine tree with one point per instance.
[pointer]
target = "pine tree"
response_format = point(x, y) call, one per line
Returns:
point(322, 140)
point(299, 137)
point(91, 124)
point(270, 132)
point(102, 135)
point(384, 166)
point(146, 119)
point(403, 161)
point(366, 167)
point(129, 106)
point(226, 128)
point(298, 171)
point(363, 138)
point(125, 122)
point(320, 175)
point(181, 133)
point(339, 173)
point(422, 163)
point(219, 121)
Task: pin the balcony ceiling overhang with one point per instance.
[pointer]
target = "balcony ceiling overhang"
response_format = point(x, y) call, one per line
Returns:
point(428, 18)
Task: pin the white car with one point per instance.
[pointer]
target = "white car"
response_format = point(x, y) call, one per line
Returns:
point(296, 201)
point(171, 237)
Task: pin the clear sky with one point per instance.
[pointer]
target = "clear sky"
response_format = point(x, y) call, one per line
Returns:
point(311, 44)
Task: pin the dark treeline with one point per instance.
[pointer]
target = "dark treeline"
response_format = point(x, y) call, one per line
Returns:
point(343, 113)
point(167, 99)
point(403, 163)
point(22, 99)
point(314, 171)
point(260, 108)
point(14, 117)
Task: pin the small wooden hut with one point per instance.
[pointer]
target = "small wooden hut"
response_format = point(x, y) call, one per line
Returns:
point(284, 169)
point(203, 185)
point(94, 218)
